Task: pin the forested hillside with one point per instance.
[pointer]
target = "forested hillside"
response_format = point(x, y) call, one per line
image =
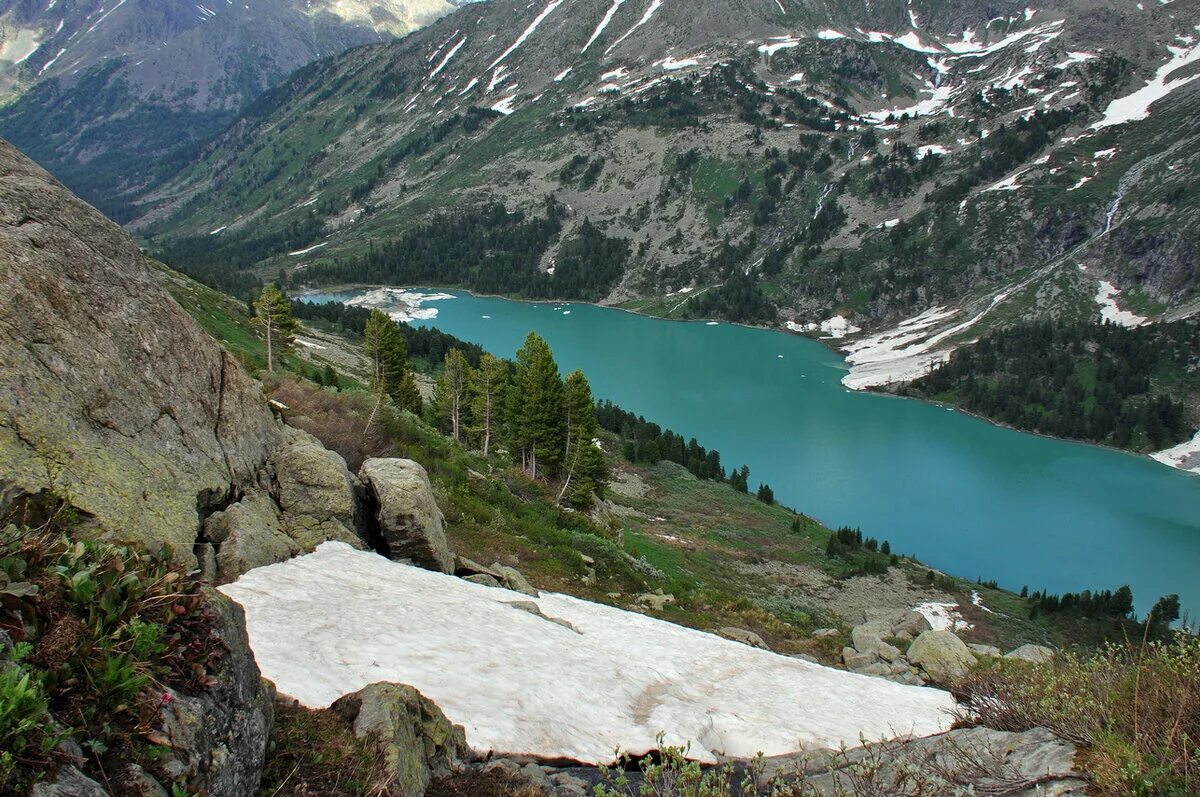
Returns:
point(1129, 388)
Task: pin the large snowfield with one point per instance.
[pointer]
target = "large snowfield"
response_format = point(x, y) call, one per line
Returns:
point(329, 623)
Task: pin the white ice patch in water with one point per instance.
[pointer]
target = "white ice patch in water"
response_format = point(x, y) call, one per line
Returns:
point(1136, 106)
point(833, 328)
point(908, 351)
point(329, 623)
point(1106, 297)
point(399, 303)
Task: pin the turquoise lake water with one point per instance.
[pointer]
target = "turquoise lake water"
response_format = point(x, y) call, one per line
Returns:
point(963, 495)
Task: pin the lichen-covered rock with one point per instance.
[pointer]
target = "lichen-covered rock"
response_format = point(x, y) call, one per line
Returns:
point(866, 640)
point(745, 637)
point(942, 655)
point(512, 579)
point(217, 739)
point(1032, 763)
point(410, 521)
point(109, 392)
point(484, 579)
point(990, 651)
point(1037, 654)
point(416, 741)
point(246, 535)
point(68, 782)
point(315, 493)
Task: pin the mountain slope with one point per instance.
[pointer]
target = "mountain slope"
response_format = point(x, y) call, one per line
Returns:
point(923, 171)
point(108, 84)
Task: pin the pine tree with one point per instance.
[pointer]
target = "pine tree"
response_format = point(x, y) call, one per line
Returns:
point(583, 464)
point(450, 395)
point(273, 312)
point(487, 399)
point(537, 404)
point(329, 377)
point(387, 353)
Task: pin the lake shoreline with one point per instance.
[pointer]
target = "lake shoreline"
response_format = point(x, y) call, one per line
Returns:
point(828, 343)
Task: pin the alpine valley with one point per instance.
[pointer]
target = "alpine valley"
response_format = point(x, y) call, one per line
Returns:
point(296, 498)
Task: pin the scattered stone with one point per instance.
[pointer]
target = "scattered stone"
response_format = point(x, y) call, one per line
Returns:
point(414, 737)
point(942, 656)
point(1037, 654)
point(825, 632)
point(410, 521)
point(466, 567)
point(990, 651)
point(655, 600)
point(856, 661)
point(866, 640)
point(512, 579)
point(536, 611)
point(69, 782)
point(567, 785)
point(742, 635)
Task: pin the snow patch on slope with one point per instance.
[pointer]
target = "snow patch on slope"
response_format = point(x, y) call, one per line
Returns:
point(329, 623)
point(1106, 297)
point(525, 34)
point(612, 10)
point(654, 6)
point(1136, 106)
point(1185, 456)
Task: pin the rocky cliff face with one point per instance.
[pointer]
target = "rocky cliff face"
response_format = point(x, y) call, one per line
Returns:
point(112, 397)
point(109, 392)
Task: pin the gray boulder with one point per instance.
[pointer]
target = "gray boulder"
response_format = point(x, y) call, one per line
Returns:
point(217, 739)
point(68, 782)
point(942, 656)
point(316, 493)
point(866, 640)
point(1037, 654)
point(742, 635)
point(1032, 763)
point(857, 661)
point(485, 580)
point(415, 740)
point(512, 579)
point(410, 521)
point(246, 535)
point(990, 651)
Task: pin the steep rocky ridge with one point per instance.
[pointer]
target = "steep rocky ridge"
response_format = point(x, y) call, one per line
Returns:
point(109, 83)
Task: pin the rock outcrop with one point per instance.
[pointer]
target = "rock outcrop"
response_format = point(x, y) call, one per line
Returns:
point(113, 399)
point(110, 394)
point(1036, 654)
point(410, 522)
point(217, 740)
point(416, 742)
point(1034, 763)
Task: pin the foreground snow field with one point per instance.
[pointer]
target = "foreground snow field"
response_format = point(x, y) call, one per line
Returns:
point(331, 622)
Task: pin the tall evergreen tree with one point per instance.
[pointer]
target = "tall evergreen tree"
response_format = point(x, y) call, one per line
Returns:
point(583, 464)
point(273, 312)
point(537, 403)
point(487, 386)
point(450, 394)
point(388, 355)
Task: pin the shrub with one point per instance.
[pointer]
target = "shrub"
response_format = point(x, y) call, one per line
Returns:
point(1136, 709)
point(102, 633)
